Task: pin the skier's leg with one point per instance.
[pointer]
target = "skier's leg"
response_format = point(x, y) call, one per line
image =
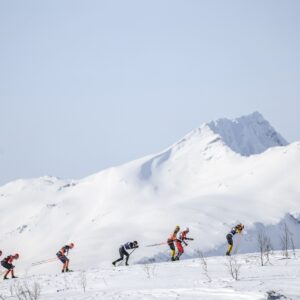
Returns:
point(229, 250)
point(180, 250)
point(114, 262)
point(127, 256)
point(172, 247)
point(64, 260)
point(9, 268)
point(6, 274)
point(121, 256)
point(64, 267)
point(67, 265)
point(230, 244)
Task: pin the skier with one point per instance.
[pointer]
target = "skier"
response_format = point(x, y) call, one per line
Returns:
point(171, 240)
point(122, 250)
point(62, 256)
point(237, 229)
point(182, 239)
point(7, 264)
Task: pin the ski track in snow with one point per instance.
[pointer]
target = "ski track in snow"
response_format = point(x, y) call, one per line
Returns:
point(179, 280)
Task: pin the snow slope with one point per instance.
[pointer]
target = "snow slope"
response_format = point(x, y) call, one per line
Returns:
point(178, 280)
point(198, 182)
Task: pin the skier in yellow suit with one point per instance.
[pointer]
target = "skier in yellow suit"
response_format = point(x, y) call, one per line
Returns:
point(237, 229)
point(171, 240)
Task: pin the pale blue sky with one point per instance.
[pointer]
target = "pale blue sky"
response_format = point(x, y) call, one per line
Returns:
point(85, 85)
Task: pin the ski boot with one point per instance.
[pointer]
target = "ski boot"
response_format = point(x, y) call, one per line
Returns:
point(68, 270)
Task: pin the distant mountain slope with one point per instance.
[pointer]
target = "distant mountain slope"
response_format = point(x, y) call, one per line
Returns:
point(248, 135)
point(198, 182)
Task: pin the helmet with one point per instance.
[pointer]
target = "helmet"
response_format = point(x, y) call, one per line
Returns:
point(187, 229)
point(0, 252)
point(135, 243)
point(177, 227)
point(16, 256)
point(240, 226)
point(71, 245)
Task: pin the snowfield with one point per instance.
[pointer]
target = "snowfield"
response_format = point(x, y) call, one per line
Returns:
point(172, 280)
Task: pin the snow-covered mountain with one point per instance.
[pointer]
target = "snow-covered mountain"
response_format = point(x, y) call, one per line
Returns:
point(209, 180)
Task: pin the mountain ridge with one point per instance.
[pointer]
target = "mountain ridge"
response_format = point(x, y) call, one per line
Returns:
point(248, 135)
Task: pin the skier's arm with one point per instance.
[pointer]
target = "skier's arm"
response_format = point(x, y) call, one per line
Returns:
point(133, 246)
point(182, 241)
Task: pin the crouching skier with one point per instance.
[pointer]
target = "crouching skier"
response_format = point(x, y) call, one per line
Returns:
point(237, 229)
point(123, 251)
point(182, 239)
point(171, 240)
point(7, 264)
point(62, 256)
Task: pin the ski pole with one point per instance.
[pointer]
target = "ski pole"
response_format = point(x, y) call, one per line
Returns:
point(158, 244)
point(43, 261)
point(128, 257)
point(132, 251)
